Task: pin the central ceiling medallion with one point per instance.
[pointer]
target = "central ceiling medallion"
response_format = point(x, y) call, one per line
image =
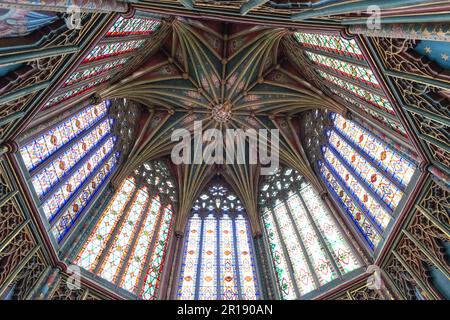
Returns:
point(222, 112)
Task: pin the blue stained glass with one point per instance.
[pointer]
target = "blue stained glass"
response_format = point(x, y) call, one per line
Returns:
point(59, 167)
point(58, 199)
point(40, 148)
point(68, 217)
point(218, 258)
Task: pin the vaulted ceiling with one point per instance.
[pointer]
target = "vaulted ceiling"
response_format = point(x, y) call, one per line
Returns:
point(229, 76)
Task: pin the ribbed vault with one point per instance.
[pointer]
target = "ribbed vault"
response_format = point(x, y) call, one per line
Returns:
point(229, 76)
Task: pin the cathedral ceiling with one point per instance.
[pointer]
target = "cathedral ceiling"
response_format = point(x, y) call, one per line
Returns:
point(228, 76)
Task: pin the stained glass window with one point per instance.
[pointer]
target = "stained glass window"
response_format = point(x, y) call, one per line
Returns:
point(347, 69)
point(307, 247)
point(330, 43)
point(77, 91)
point(41, 147)
point(103, 51)
point(129, 242)
point(94, 71)
point(367, 177)
point(68, 164)
point(133, 26)
point(342, 65)
point(218, 257)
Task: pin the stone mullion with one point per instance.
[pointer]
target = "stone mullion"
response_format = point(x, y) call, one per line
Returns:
point(114, 233)
point(363, 154)
point(131, 248)
point(301, 241)
point(265, 247)
point(355, 200)
point(319, 235)
point(372, 89)
point(146, 265)
point(175, 267)
point(286, 255)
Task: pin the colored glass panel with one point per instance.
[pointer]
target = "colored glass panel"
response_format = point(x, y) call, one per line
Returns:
point(388, 192)
point(134, 268)
point(93, 71)
point(329, 43)
point(89, 254)
point(65, 190)
point(372, 98)
point(113, 49)
point(249, 288)
point(363, 224)
point(218, 255)
point(40, 148)
point(124, 26)
point(366, 200)
point(208, 262)
point(321, 263)
point(278, 258)
point(344, 68)
point(394, 125)
point(335, 241)
point(68, 218)
point(52, 173)
point(158, 255)
point(388, 159)
point(189, 267)
point(302, 273)
point(122, 241)
point(228, 286)
point(77, 91)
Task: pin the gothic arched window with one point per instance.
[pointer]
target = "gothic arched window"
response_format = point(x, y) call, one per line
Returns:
point(341, 63)
point(307, 247)
point(108, 57)
point(69, 162)
point(218, 257)
point(128, 244)
point(368, 177)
